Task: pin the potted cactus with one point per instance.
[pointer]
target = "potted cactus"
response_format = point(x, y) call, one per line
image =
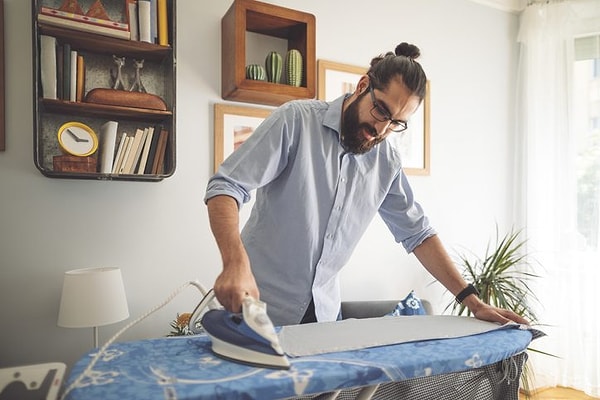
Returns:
point(274, 67)
point(293, 67)
point(255, 72)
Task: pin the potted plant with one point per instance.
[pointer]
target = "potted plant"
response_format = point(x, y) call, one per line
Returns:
point(502, 277)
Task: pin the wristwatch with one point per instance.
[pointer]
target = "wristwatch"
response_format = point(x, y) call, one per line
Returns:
point(470, 289)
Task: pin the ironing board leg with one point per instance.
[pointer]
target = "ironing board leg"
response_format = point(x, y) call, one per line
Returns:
point(367, 392)
point(332, 395)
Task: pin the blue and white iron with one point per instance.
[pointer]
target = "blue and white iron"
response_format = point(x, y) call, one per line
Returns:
point(248, 337)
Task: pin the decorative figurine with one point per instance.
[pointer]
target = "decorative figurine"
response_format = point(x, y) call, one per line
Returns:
point(139, 64)
point(118, 79)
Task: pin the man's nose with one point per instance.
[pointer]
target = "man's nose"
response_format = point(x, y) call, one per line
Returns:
point(381, 127)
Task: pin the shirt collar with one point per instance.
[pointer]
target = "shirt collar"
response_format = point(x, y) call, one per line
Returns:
point(333, 116)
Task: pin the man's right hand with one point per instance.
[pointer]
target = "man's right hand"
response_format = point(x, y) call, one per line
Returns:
point(233, 284)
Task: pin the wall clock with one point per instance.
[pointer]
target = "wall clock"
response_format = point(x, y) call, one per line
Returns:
point(77, 139)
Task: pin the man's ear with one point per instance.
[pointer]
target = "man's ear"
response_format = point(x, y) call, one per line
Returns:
point(362, 85)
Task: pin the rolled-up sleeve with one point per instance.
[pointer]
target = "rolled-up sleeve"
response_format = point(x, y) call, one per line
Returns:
point(257, 162)
point(404, 216)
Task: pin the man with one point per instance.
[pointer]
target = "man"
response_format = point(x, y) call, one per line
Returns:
point(322, 171)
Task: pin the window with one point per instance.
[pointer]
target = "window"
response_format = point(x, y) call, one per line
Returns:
point(586, 116)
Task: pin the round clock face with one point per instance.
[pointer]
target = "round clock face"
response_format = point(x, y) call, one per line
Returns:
point(77, 139)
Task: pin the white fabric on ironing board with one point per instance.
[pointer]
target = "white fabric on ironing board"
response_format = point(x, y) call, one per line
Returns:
point(354, 334)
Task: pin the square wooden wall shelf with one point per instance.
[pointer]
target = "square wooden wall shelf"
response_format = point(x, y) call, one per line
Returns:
point(297, 27)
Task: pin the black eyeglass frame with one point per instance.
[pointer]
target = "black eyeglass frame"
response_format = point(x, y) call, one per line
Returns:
point(395, 125)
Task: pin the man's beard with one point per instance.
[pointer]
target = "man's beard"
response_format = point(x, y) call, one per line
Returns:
point(353, 139)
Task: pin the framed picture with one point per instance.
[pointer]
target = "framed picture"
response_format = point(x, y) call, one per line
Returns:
point(415, 141)
point(2, 114)
point(335, 79)
point(233, 125)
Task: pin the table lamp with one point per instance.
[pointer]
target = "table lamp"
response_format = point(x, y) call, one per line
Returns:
point(92, 297)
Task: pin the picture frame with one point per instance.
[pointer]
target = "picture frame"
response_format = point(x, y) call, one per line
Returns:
point(415, 142)
point(336, 79)
point(233, 125)
point(2, 102)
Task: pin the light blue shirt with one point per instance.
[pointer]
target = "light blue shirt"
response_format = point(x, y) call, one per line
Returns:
point(313, 203)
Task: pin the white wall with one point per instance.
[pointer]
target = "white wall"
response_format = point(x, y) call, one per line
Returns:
point(158, 234)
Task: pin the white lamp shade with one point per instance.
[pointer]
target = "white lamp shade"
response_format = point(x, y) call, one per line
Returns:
point(92, 297)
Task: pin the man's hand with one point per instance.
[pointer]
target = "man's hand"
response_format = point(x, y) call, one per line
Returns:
point(489, 313)
point(233, 284)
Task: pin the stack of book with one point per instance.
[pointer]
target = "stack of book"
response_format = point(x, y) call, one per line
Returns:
point(148, 21)
point(62, 70)
point(142, 152)
point(145, 20)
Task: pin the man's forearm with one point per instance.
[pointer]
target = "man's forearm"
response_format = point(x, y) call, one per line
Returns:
point(435, 259)
point(223, 214)
point(236, 280)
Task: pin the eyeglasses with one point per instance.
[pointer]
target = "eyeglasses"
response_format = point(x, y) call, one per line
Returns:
point(382, 115)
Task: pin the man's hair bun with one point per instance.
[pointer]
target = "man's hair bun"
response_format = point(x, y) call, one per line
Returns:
point(408, 50)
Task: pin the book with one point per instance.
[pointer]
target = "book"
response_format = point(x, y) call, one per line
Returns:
point(146, 151)
point(158, 164)
point(144, 21)
point(73, 76)
point(80, 85)
point(163, 27)
point(92, 18)
point(48, 66)
point(118, 160)
point(138, 152)
point(132, 17)
point(153, 21)
point(152, 151)
point(133, 155)
point(66, 77)
point(59, 71)
point(126, 152)
point(82, 23)
point(108, 138)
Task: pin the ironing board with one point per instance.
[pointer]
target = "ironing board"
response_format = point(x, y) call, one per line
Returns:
point(482, 366)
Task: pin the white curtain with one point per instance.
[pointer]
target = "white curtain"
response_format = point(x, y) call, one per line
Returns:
point(546, 200)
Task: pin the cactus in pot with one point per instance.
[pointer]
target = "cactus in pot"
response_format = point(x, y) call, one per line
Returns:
point(293, 67)
point(274, 66)
point(255, 72)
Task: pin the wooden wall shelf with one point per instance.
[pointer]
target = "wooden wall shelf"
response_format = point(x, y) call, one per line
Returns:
point(297, 27)
point(53, 110)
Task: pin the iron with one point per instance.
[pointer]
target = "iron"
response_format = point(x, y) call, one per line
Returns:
point(248, 337)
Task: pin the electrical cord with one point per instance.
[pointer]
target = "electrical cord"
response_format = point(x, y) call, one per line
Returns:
point(110, 341)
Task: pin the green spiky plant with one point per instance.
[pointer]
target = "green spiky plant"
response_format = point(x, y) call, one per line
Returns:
point(502, 277)
point(293, 67)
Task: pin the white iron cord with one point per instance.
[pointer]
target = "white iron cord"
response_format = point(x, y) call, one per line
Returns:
point(103, 349)
point(207, 301)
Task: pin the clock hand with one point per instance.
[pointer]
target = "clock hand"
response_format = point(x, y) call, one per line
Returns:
point(74, 136)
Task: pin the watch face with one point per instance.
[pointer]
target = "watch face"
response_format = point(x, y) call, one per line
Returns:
point(77, 139)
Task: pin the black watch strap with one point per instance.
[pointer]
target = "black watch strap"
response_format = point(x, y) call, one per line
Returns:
point(470, 289)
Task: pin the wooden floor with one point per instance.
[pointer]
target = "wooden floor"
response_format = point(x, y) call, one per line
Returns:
point(559, 393)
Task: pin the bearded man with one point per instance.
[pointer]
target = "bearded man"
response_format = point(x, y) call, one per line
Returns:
point(322, 171)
